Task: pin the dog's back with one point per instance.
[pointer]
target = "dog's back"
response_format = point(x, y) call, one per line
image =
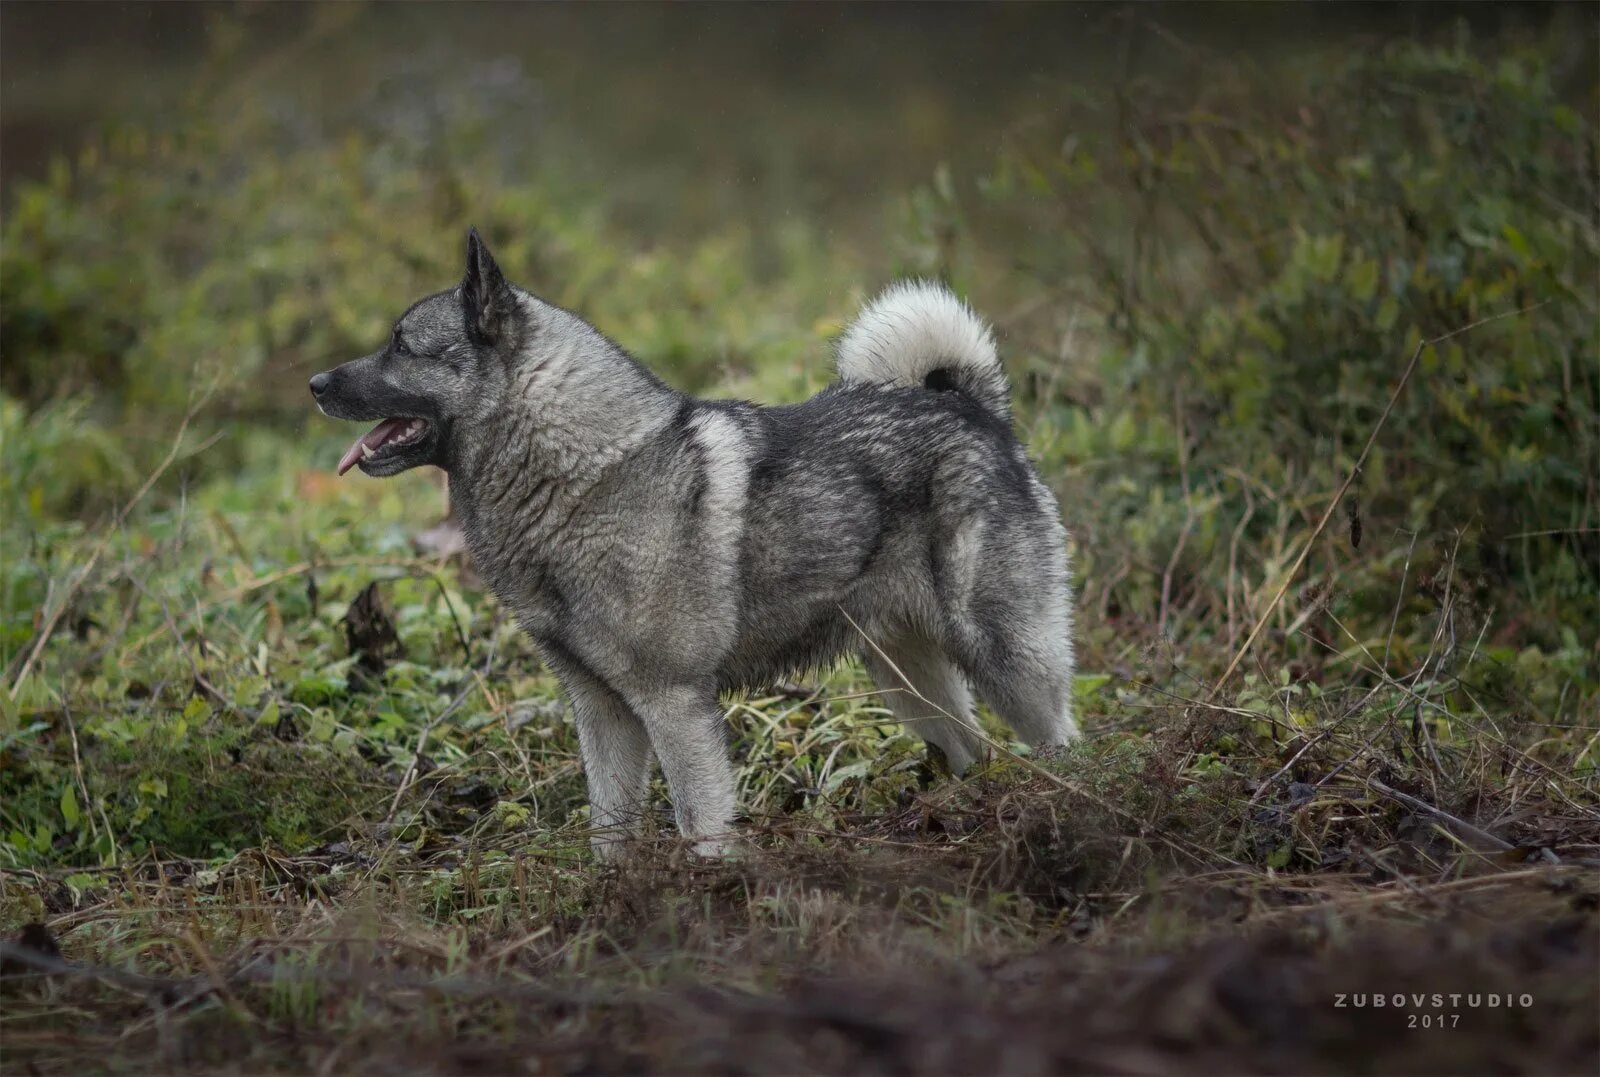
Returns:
point(856, 498)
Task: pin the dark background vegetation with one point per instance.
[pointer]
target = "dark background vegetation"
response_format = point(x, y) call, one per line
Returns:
point(1301, 305)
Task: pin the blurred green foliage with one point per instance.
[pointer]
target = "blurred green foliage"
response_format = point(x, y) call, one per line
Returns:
point(1257, 267)
point(224, 262)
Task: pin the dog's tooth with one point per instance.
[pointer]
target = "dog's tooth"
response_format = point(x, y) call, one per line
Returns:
point(366, 450)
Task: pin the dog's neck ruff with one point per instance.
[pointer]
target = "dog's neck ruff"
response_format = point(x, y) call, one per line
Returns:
point(577, 406)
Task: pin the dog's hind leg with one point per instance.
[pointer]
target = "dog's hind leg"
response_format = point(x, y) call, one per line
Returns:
point(1007, 605)
point(1023, 670)
point(616, 759)
point(927, 692)
point(686, 730)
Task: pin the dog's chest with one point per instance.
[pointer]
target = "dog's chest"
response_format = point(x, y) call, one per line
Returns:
point(510, 562)
point(522, 581)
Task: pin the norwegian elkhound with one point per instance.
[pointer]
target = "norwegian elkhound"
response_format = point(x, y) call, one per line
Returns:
point(661, 549)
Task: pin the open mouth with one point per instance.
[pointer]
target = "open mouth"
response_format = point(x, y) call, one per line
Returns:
point(384, 440)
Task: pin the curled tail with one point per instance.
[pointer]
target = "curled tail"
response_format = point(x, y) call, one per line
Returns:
point(918, 333)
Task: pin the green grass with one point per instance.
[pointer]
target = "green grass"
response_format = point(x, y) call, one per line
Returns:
point(254, 857)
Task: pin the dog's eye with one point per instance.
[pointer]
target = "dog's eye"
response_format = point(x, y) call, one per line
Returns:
point(398, 344)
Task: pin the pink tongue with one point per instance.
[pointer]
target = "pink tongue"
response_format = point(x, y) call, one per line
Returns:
point(372, 439)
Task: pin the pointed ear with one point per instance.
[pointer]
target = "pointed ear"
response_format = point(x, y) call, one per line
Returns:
point(485, 295)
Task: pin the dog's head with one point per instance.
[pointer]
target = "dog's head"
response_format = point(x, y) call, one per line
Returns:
point(447, 359)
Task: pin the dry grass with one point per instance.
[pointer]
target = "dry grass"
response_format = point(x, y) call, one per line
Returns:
point(1003, 925)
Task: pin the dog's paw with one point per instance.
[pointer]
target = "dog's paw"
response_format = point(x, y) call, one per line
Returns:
point(719, 848)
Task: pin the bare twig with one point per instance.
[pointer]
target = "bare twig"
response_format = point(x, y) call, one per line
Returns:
point(1188, 513)
point(450, 608)
point(1322, 735)
point(1233, 556)
point(1172, 565)
point(1460, 827)
point(422, 738)
point(1399, 600)
point(422, 742)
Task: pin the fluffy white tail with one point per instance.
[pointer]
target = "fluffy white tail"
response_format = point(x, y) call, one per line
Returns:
point(919, 334)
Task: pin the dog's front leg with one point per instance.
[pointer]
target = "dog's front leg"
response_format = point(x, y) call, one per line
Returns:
point(685, 727)
point(616, 759)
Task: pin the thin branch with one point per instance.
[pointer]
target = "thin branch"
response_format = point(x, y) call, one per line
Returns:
point(1460, 827)
point(422, 738)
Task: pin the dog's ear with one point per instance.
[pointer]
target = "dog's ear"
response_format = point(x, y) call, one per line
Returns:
point(485, 295)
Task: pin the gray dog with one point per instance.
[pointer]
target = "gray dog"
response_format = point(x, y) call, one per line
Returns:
point(662, 549)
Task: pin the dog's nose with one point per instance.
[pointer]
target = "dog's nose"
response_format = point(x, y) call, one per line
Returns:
point(319, 383)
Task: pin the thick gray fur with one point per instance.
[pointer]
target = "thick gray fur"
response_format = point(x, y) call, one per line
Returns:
point(663, 549)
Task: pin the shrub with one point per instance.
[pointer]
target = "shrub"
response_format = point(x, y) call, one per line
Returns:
point(1260, 267)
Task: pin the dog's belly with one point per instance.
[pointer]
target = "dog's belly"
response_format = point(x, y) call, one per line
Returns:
point(805, 560)
point(788, 634)
point(783, 644)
